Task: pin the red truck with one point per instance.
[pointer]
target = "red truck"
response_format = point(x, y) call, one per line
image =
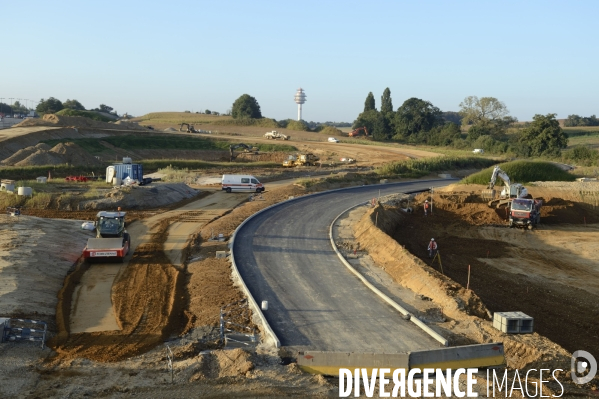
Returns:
point(525, 212)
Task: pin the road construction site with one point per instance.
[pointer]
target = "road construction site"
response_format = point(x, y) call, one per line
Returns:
point(110, 322)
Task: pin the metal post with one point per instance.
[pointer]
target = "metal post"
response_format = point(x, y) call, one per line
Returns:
point(432, 194)
point(468, 283)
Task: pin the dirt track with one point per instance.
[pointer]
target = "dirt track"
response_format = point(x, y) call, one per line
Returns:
point(550, 273)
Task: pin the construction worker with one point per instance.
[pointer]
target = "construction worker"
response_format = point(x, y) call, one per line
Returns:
point(426, 207)
point(432, 248)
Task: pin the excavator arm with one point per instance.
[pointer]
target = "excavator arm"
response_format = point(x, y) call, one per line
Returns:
point(497, 172)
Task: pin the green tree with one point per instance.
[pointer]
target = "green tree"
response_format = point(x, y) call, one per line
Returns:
point(386, 102)
point(207, 112)
point(73, 104)
point(452, 116)
point(6, 109)
point(246, 106)
point(486, 112)
point(577, 120)
point(444, 135)
point(381, 130)
point(105, 108)
point(415, 116)
point(543, 137)
point(49, 106)
point(369, 120)
point(18, 108)
point(369, 104)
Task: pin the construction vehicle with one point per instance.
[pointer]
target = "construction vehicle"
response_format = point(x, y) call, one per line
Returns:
point(276, 135)
point(190, 128)
point(301, 160)
point(510, 191)
point(246, 148)
point(525, 213)
point(112, 240)
point(357, 132)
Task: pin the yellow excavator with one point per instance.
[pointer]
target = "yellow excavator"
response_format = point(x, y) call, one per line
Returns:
point(246, 148)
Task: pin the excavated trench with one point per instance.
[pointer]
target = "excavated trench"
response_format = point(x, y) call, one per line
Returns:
point(550, 273)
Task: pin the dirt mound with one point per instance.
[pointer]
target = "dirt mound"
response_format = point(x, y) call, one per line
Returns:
point(76, 121)
point(24, 153)
point(223, 363)
point(545, 273)
point(264, 157)
point(170, 129)
point(410, 271)
point(210, 286)
point(60, 154)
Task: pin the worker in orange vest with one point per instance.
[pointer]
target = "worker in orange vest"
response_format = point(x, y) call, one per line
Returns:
point(426, 207)
point(432, 248)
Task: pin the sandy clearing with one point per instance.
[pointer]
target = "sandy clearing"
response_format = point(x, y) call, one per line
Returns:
point(92, 308)
point(34, 261)
point(89, 311)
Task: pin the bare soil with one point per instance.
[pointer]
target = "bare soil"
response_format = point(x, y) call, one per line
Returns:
point(549, 273)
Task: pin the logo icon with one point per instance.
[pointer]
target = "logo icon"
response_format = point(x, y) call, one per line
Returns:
point(579, 366)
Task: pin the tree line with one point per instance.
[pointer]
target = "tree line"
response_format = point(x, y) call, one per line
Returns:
point(480, 123)
point(53, 105)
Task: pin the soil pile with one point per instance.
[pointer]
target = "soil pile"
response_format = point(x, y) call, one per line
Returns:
point(210, 286)
point(42, 154)
point(24, 153)
point(218, 364)
point(77, 121)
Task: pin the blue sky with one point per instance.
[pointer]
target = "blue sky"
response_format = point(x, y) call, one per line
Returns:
point(144, 56)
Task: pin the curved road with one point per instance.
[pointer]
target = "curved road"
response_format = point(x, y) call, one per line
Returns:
point(285, 257)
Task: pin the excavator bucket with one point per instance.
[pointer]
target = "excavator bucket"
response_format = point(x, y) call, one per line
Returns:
point(488, 194)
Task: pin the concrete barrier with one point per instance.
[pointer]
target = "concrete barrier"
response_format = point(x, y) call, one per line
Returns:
point(329, 363)
point(468, 356)
point(480, 355)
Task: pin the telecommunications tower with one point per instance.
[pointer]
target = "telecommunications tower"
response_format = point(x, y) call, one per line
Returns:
point(300, 98)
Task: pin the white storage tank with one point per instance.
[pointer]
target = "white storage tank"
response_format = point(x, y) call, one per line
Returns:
point(117, 181)
point(25, 191)
point(9, 187)
point(42, 179)
point(127, 160)
point(110, 172)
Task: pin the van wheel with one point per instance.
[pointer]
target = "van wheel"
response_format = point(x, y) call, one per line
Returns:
point(258, 190)
point(228, 189)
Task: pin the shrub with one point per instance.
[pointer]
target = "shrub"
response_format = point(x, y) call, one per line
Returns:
point(331, 131)
point(422, 167)
point(581, 155)
point(523, 172)
point(297, 125)
point(86, 114)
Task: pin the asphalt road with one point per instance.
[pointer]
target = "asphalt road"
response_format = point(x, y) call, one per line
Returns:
point(285, 257)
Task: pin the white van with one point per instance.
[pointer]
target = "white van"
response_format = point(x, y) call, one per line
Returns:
point(478, 151)
point(248, 183)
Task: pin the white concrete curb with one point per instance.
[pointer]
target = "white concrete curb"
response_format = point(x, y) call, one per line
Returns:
point(384, 297)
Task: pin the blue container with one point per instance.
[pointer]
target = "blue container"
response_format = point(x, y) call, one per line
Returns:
point(132, 170)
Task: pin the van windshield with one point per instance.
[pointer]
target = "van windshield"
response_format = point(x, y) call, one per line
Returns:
point(254, 181)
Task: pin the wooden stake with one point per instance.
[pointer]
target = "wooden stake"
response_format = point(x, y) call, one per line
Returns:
point(468, 284)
